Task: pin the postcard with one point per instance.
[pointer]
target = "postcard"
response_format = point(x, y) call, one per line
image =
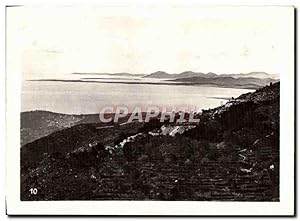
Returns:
point(150, 110)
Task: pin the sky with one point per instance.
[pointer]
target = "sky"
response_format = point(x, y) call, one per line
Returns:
point(57, 40)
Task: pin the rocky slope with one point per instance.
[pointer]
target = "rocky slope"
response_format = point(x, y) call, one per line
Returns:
point(232, 154)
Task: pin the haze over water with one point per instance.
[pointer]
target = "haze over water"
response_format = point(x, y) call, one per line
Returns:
point(91, 97)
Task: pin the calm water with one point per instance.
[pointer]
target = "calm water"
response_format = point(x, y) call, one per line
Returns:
point(82, 98)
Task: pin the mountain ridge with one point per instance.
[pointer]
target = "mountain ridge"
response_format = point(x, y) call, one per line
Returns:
point(186, 74)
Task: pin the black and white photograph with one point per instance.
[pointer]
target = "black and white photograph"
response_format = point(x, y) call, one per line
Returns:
point(150, 104)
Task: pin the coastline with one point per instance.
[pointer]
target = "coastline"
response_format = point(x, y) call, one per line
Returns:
point(237, 86)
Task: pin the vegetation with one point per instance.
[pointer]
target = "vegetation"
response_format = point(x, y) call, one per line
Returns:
point(232, 154)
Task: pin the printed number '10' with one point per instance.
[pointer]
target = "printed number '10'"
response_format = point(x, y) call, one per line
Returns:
point(33, 191)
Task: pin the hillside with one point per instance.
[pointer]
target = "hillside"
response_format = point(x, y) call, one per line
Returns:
point(37, 124)
point(232, 154)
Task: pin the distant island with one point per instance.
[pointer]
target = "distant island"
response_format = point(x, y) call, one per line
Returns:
point(110, 74)
point(249, 82)
point(189, 79)
point(189, 74)
point(185, 74)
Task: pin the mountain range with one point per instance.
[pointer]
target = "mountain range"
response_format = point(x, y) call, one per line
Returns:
point(189, 74)
point(186, 74)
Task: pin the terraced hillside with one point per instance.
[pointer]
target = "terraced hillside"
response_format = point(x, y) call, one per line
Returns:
point(231, 154)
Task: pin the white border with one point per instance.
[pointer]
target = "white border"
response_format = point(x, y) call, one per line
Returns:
point(15, 206)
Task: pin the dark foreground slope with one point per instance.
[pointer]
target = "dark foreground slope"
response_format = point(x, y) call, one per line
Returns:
point(232, 154)
point(37, 124)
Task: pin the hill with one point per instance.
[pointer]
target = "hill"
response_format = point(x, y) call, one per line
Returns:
point(231, 154)
point(160, 75)
point(191, 74)
point(37, 124)
point(186, 74)
point(250, 75)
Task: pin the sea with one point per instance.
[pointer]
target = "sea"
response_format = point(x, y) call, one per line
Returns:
point(89, 94)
